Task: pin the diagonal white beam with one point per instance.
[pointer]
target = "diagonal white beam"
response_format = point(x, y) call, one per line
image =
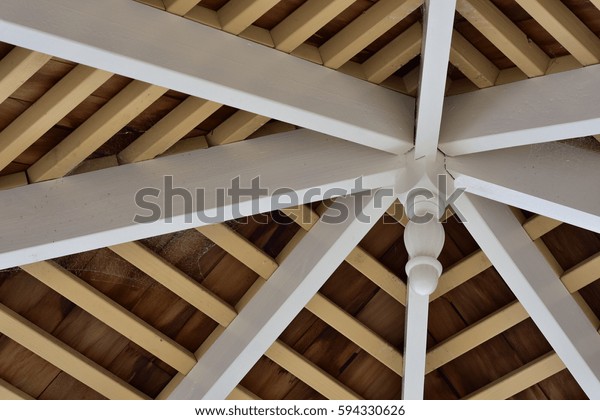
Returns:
point(220, 67)
point(556, 180)
point(438, 21)
point(537, 286)
point(280, 299)
point(97, 209)
point(554, 107)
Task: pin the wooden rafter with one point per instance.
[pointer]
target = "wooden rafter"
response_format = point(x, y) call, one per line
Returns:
point(95, 131)
point(309, 373)
point(18, 66)
point(170, 129)
point(10, 392)
point(63, 357)
point(65, 95)
point(176, 281)
point(112, 314)
point(520, 379)
point(291, 32)
point(365, 29)
point(535, 178)
point(180, 7)
point(505, 35)
point(289, 289)
point(237, 127)
point(566, 28)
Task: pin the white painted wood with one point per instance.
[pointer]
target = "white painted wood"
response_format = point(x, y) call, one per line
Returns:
point(94, 210)
point(556, 180)
point(222, 68)
point(415, 345)
point(554, 107)
point(537, 286)
point(279, 300)
point(438, 21)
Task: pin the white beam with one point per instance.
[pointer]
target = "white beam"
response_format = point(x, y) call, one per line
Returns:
point(438, 21)
point(554, 107)
point(97, 209)
point(536, 285)
point(415, 346)
point(222, 68)
point(556, 180)
point(281, 298)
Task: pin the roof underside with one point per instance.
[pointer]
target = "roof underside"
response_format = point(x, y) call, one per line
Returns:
point(119, 318)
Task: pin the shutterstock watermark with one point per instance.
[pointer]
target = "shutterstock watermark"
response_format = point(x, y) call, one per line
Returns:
point(208, 206)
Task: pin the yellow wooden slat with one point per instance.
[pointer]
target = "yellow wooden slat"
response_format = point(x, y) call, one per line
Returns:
point(176, 281)
point(241, 248)
point(237, 127)
point(520, 379)
point(309, 373)
point(17, 67)
point(365, 29)
point(166, 132)
point(65, 358)
point(112, 314)
point(461, 272)
point(394, 55)
point(371, 268)
point(237, 15)
point(505, 35)
point(356, 332)
point(396, 210)
point(472, 63)
point(65, 95)
point(10, 392)
point(305, 21)
point(537, 226)
point(13, 180)
point(300, 215)
point(474, 335)
point(241, 393)
point(180, 7)
point(95, 131)
point(566, 28)
point(187, 145)
point(582, 274)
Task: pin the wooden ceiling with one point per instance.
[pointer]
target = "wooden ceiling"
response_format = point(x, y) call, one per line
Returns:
point(130, 320)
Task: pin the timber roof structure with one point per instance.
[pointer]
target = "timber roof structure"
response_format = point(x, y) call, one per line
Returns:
point(99, 100)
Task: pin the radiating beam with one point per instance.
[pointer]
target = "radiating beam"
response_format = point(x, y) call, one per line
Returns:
point(48, 110)
point(93, 210)
point(435, 52)
point(222, 68)
point(275, 305)
point(526, 112)
point(537, 286)
point(180, 7)
point(237, 15)
point(539, 179)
